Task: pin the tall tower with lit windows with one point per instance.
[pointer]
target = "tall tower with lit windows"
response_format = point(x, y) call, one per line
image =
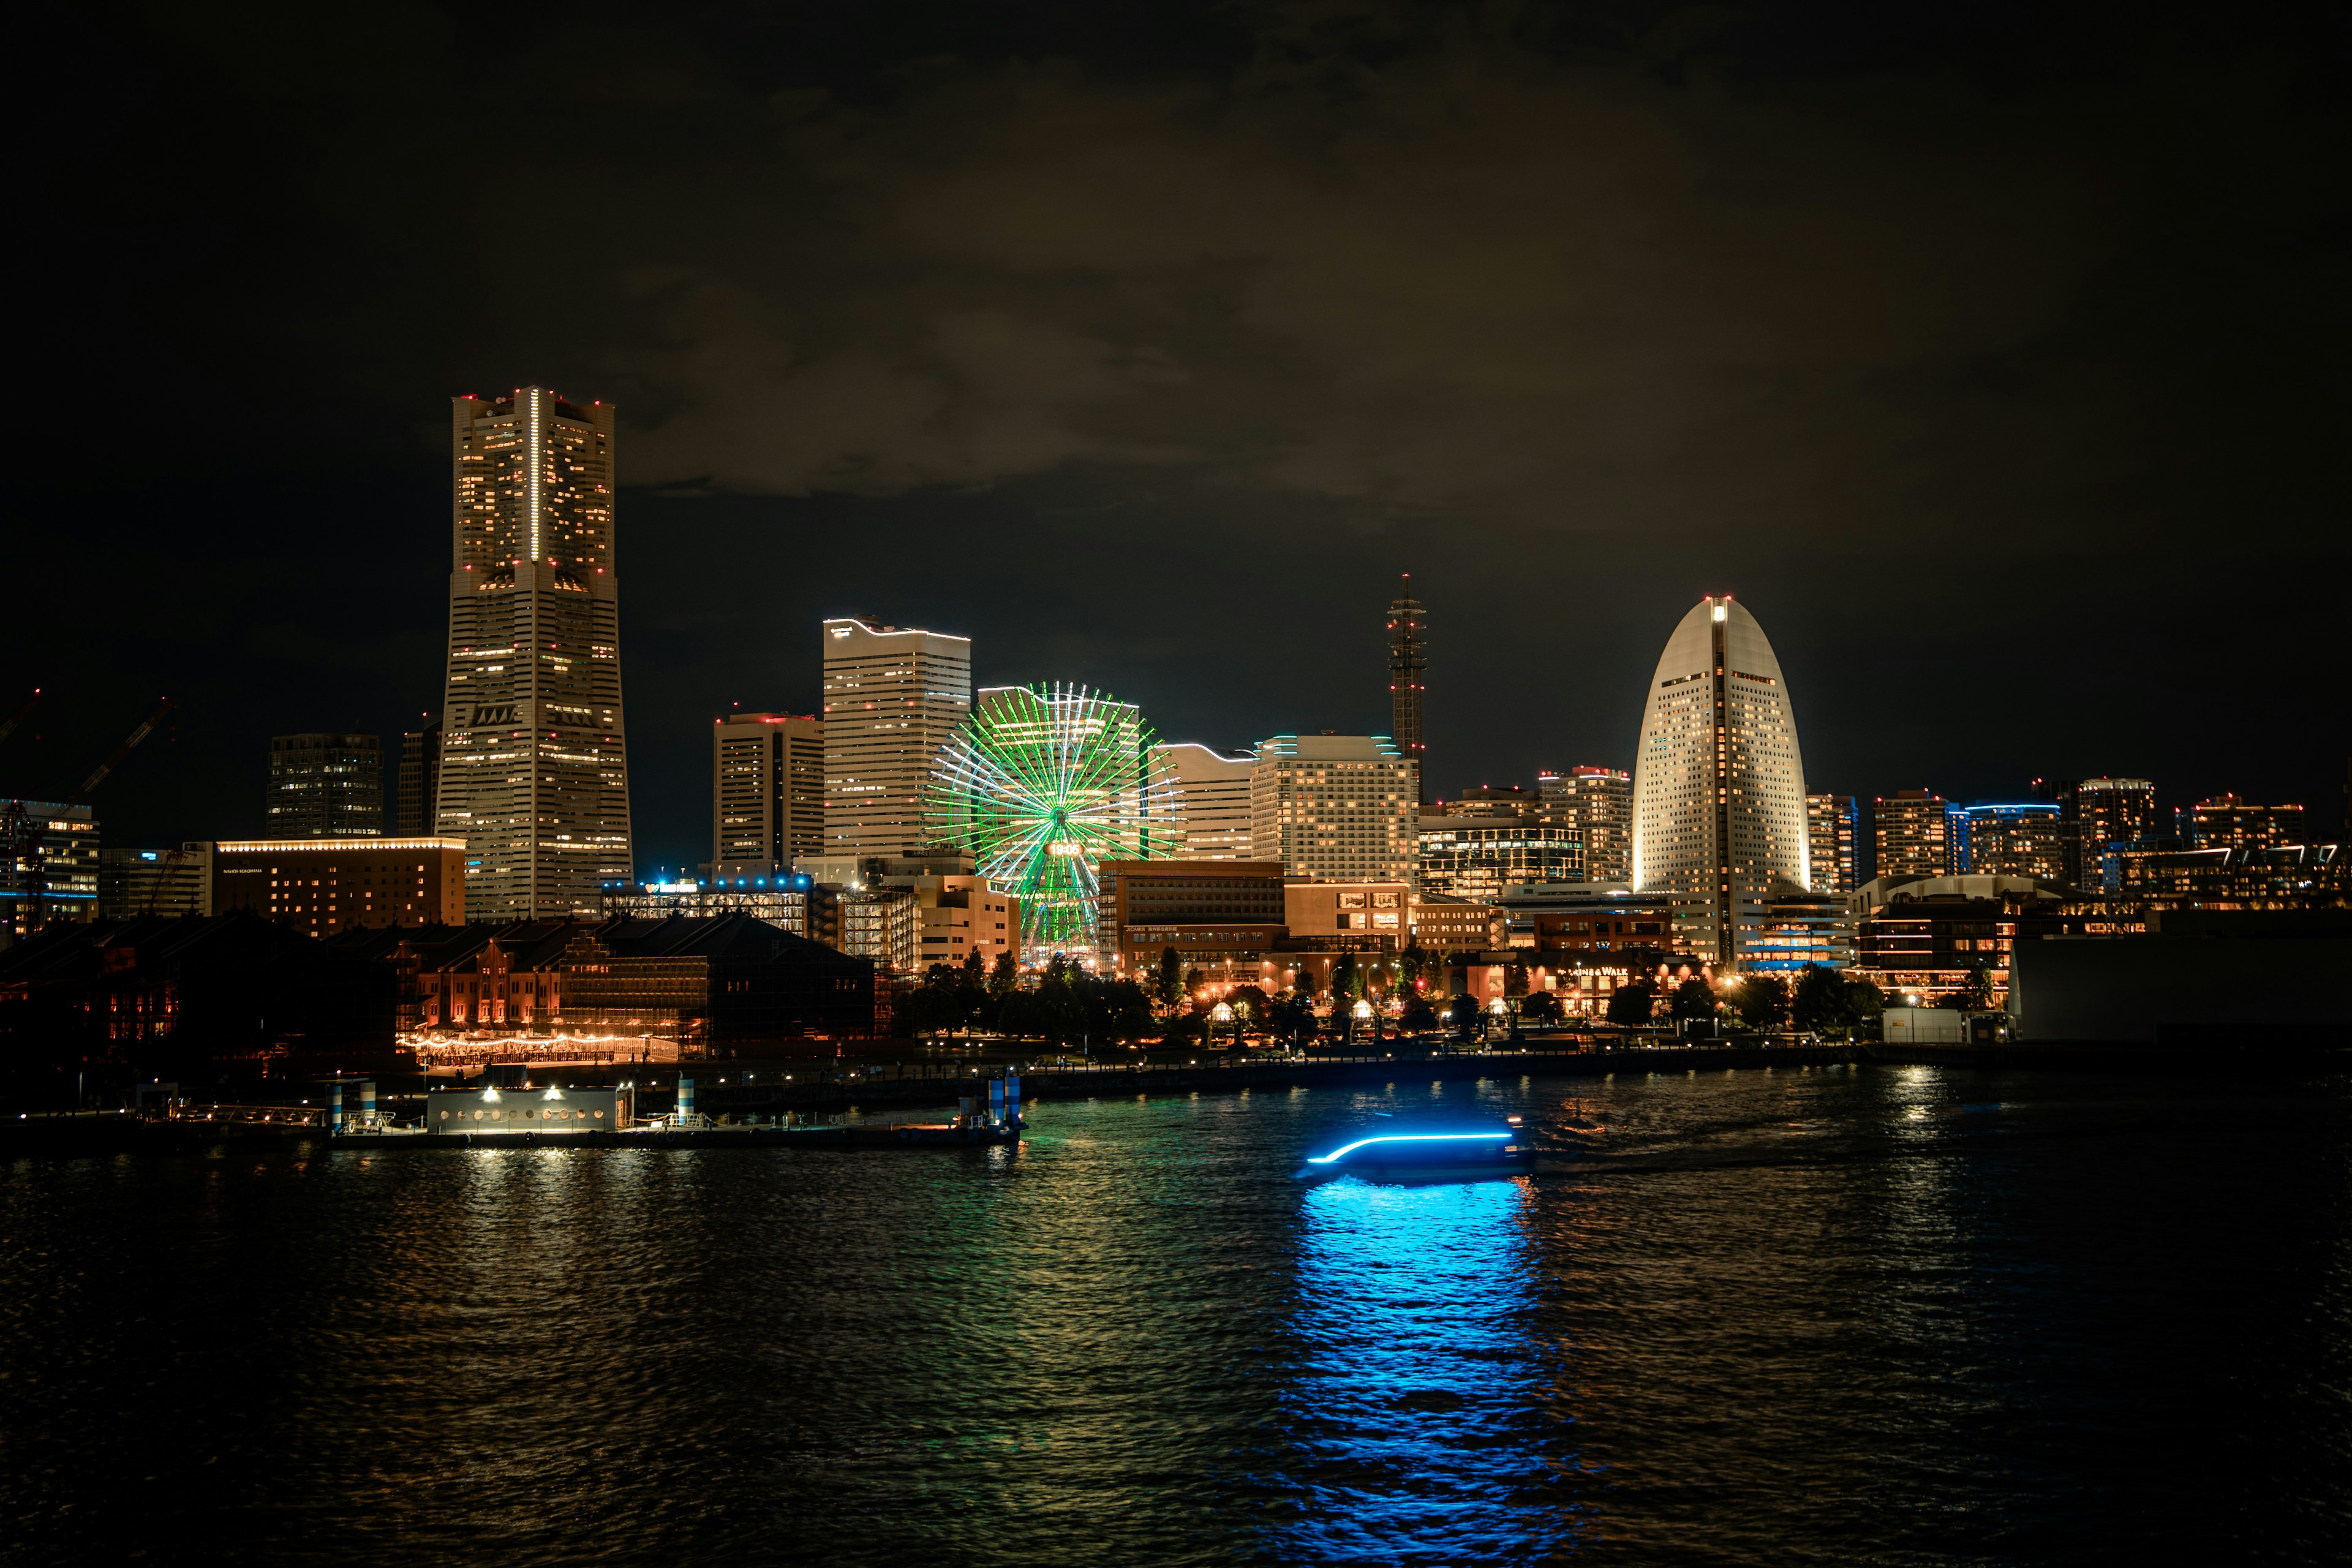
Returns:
point(534, 761)
point(1407, 680)
point(1718, 786)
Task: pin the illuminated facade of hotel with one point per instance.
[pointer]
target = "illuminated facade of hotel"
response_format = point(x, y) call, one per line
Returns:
point(1719, 783)
point(1213, 801)
point(1336, 808)
point(535, 774)
point(892, 699)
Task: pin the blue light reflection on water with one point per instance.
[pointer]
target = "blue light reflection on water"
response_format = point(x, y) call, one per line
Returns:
point(1418, 1410)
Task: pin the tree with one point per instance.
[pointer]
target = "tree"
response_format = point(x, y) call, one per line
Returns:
point(1975, 995)
point(1419, 1016)
point(1631, 1004)
point(1863, 1004)
point(1250, 1004)
point(1004, 977)
point(1295, 1014)
point(1414, 966)
point(1463, 1013)
point(1168, 984)
point(1763, 1002)
point(1693, 998)
point(1346, 980)
point(1820, 1001)
point(1542, 1006)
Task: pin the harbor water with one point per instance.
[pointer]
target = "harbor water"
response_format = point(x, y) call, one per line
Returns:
point(1892, 1314)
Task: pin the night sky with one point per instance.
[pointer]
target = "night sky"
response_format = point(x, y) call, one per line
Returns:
point(1993, 356)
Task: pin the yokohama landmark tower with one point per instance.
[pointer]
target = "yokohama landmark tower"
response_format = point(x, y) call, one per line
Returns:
point(534, 767)
point(1408, 674)
point(1718, 788)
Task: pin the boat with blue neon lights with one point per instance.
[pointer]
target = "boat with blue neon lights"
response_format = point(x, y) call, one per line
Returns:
point(1505, 1151)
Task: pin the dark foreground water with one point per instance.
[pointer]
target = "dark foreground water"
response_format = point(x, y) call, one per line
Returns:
point(1891, 1315)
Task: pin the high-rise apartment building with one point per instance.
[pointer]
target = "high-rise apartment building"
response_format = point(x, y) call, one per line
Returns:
point(1212, 800)
point(325, 786)
point(2097, 817)
point(420, 780)
point(1719, 783)
point(1833, 828)
point(2023, 840)
point(2227, 822)
point(535, 774)
point(48, 864)
point(1408, 681)
point(892, 698)
point(1336, 808)
point(1598, 802)
point(1910, 836)
point(767, 793)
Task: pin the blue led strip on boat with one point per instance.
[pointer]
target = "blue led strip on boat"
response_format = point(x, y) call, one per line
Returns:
point(1403, 1138)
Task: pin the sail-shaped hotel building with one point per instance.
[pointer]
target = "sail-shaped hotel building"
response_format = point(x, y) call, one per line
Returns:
point(1718, 784)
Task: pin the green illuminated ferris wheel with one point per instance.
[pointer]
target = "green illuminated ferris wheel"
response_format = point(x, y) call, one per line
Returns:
point(1041, 786)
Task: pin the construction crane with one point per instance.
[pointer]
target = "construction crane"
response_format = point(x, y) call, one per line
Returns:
point(25, 830)
point(18, 716)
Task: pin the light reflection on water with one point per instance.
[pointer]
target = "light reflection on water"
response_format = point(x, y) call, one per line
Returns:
point(1416, 1406)
point(1900, 1316)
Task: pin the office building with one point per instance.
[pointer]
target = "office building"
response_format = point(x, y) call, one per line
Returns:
point(2158, 876)
point(50, 869)
point(790, 900)
point(1336, 808)
point(1474, 854)
point(1408, 682)
point(1443, 923)
point(1806, 930)
point(883, 924)
point(1719, 783)
point(2023, 840)
point(325, 786)
point(1598, 802)
point(892, 698)
point(1832, 830)
point(1595, 917)
point(767, 795)
point(419, 782)
point(1910, 835)
point(1210, 911)
point(2097, 816)
point(136, 882)
point(534, 773)
point(2226, 822)
point(958, 915)
point(1213, 801)
point(322, 885)
point(1359, 916)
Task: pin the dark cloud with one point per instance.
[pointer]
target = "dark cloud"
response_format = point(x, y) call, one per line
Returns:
point(1992, 356)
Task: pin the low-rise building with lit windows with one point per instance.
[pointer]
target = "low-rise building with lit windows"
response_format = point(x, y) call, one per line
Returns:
point(322, 885)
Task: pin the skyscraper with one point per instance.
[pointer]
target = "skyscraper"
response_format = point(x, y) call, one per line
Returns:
point(1408, 670)
point(534, 760)
point(2096, 817)
point(1718, 784)
point(767, 793)
point(1832, 826)
point(1335, 808)
point(892, 698)
point(1213, 795)
point(1599, 804)
point(325, 786)
point(1910, 834)
point(2023, 839)
point(2225, 821)
point(420, 780)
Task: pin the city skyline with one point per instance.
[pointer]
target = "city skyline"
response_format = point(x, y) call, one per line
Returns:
point(2021, 388)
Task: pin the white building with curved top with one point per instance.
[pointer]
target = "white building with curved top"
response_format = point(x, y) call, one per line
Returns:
point(1718, 784)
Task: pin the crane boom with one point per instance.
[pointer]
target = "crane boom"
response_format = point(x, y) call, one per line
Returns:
point(121, 751)
point(18, 716)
